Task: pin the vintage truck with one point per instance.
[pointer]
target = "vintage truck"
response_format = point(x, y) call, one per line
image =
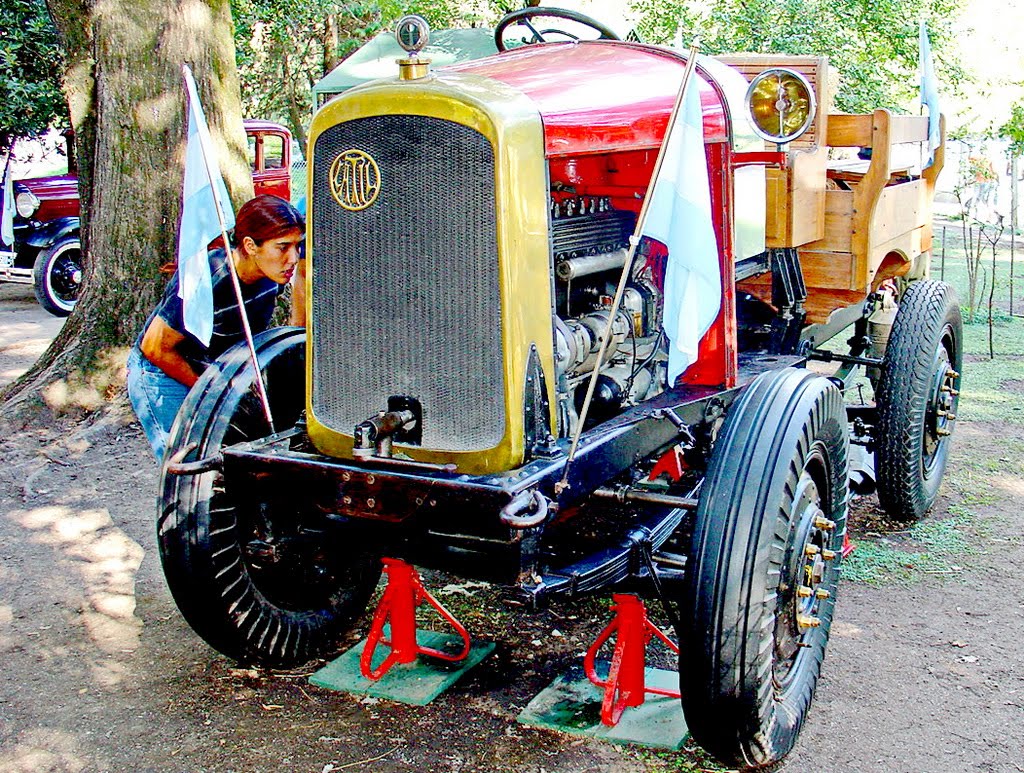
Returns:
point(47, 249)
point(467, 230)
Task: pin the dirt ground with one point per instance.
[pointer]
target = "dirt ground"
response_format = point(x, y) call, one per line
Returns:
point(100, 672)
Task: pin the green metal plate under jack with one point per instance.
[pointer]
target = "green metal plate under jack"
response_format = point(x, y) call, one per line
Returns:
point(416, 683)
point(572, 704)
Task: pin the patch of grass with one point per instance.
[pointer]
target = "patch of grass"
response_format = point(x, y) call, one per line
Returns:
point(928, 548)
point(691, 759)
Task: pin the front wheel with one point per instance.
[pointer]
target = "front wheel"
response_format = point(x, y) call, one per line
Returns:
point(57, 276)
point(258, 583)
point(763, 568)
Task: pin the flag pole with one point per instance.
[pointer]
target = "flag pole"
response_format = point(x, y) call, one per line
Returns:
point(634, 240)
point(261, 387)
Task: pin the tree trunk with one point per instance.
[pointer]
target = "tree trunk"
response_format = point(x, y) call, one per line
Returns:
point(125, 91)
point(330, 44)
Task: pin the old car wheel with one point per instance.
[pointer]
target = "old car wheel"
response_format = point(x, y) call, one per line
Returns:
point(763, 567)
point(917, 399)
point(57, 276)
point(257, 583)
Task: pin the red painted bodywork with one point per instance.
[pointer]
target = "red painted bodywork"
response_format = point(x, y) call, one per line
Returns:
point(58, 195)
point(600, 95)
point(605, 106)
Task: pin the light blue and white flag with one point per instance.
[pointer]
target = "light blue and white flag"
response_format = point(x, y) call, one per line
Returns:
point(202, 193)
point(929, 92)
point(7, 214)
point(679, 216)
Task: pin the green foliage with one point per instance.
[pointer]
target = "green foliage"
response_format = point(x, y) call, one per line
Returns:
point(30, 70)
point(1013, 129)
point(283, 47)
point(451, 14)
point(873, 45)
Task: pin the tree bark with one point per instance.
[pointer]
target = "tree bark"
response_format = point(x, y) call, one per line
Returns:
point(126, 96)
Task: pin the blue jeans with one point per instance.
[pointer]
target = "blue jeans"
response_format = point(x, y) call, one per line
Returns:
point(155, 398)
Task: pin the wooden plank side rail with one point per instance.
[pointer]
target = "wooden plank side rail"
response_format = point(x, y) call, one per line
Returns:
point(849, 131)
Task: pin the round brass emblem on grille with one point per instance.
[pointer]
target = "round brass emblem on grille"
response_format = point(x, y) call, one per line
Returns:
point(355, 180)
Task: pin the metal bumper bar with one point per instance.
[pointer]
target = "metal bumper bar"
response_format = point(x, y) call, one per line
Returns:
point(396, 491)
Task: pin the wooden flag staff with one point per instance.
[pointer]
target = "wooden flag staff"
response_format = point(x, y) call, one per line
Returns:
point(261, 387)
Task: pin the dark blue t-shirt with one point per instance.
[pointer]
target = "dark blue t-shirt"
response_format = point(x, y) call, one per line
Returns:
point(259, 298)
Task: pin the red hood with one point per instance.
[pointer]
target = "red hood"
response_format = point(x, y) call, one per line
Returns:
point(600, 95)
point(55, 187)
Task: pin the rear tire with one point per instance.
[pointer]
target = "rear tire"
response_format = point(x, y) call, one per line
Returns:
point(917, 393)
point(760, 587)
point(254, 582)
point(57, 276)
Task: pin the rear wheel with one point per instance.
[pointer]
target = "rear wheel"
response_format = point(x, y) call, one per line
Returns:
point(917, 399)
point(57, 276)
point(763, 568)
point(258, 583)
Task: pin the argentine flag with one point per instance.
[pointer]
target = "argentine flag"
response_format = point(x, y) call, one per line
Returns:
point(202, 193)
point(679, 216)
point(929, 92)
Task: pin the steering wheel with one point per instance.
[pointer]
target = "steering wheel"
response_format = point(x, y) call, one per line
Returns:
point(525, 17)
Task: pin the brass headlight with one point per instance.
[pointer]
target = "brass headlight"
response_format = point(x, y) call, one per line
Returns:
point(26, 203)
point(781, 104)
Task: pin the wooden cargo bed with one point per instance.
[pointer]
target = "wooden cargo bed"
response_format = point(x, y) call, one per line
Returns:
point(855, 222)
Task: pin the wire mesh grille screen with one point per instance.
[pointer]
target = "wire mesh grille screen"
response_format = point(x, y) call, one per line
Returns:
point(405, 292)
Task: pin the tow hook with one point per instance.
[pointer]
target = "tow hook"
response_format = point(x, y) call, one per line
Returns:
point(526, 510)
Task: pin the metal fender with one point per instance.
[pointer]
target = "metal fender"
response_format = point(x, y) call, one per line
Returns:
point(52, 231)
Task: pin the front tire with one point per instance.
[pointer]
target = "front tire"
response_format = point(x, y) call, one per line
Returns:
point(259, 584)
point(917, 397)
point(57, 276)
point(763, 568)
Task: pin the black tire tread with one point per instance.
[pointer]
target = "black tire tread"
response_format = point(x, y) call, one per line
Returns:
point(926, 307)
point(735, 561)
point(40, 276)
point(198, 545)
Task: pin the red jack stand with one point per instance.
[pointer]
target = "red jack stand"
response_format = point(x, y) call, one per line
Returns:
point(397, 607)
point(625, 686)
point(848, 546)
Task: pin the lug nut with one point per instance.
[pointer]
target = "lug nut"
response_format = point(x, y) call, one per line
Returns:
point(811, 550)
point(823, 523)
point(828, 555)
point(943, 432)
point(804, 592)
point(821, 593)
point(807, 621)
point(952, 374)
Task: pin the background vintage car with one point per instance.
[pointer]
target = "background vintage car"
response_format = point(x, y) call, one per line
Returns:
point(47, 250)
